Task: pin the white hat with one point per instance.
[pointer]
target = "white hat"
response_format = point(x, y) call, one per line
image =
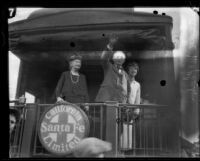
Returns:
point(119, 55)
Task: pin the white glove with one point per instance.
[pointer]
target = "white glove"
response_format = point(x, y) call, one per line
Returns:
point(60, 100)
point(87, 108)
point(137, 111)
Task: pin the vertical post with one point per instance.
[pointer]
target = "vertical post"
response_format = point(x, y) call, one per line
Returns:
point(101, 122)
point(120, 126)
point(24, 111)
point(94, 122)
point(28, 131)
point(127, 132)
point(144, 127)
point(116, 131)
point(38, 114)
point(140, 127)
point(111, 128)
point(134, 137)
point(153, 133)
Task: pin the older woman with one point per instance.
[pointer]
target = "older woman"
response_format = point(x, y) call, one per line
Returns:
point(72, 86)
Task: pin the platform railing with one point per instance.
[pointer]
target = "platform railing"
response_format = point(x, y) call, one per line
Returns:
point(141, 134)
point(135, 135)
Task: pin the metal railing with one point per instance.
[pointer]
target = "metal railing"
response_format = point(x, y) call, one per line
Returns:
point(135, 135)
point(141, 134)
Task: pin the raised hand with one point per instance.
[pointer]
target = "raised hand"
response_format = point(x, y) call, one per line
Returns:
point(112, 40)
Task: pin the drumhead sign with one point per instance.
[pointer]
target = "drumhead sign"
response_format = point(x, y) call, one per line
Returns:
point(62, 127)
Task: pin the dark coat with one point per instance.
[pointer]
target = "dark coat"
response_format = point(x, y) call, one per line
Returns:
point(109, 90)
point(72, 92)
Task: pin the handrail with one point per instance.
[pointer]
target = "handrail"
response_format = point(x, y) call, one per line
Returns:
point(109, 104)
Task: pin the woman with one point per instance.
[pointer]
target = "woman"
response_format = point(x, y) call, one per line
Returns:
point(72, 86)
point(134, 97)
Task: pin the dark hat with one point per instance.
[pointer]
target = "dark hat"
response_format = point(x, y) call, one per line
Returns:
point(75, 56)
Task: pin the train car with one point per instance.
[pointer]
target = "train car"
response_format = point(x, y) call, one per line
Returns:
point(47, 36)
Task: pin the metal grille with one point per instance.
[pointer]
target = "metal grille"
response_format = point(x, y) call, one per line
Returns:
point(143, 135)
point(136, 135)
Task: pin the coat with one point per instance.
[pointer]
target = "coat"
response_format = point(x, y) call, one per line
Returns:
point(72, 92)
point(110, 89)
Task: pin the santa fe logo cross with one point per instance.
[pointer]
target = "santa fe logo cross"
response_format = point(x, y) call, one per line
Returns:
point(62, 128)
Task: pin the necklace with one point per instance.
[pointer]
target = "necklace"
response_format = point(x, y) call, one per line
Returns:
point(74, 81)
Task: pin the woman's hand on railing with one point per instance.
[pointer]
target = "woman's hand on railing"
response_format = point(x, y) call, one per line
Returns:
point(87, 108)
point(137, 111)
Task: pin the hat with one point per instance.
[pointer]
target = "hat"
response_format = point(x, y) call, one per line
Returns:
point(75, 56)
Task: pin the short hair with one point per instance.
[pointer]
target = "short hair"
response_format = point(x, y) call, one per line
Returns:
point(119, 54)
point(133, 64)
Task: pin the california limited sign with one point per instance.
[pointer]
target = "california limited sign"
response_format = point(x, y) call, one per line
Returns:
point(62, 128)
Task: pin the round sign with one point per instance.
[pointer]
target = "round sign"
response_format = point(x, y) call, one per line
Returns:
point(62, 127)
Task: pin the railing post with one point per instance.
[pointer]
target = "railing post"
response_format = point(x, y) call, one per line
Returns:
point(111, 128)
point(116, 132)
point(28, 131)
point(24, 110)
point(101, 122)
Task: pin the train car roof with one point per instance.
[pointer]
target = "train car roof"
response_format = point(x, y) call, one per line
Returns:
point(87, 29)
point(59, 17)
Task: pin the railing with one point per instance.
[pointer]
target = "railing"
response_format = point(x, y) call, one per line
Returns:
point(146, 134)
point(142, 135)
